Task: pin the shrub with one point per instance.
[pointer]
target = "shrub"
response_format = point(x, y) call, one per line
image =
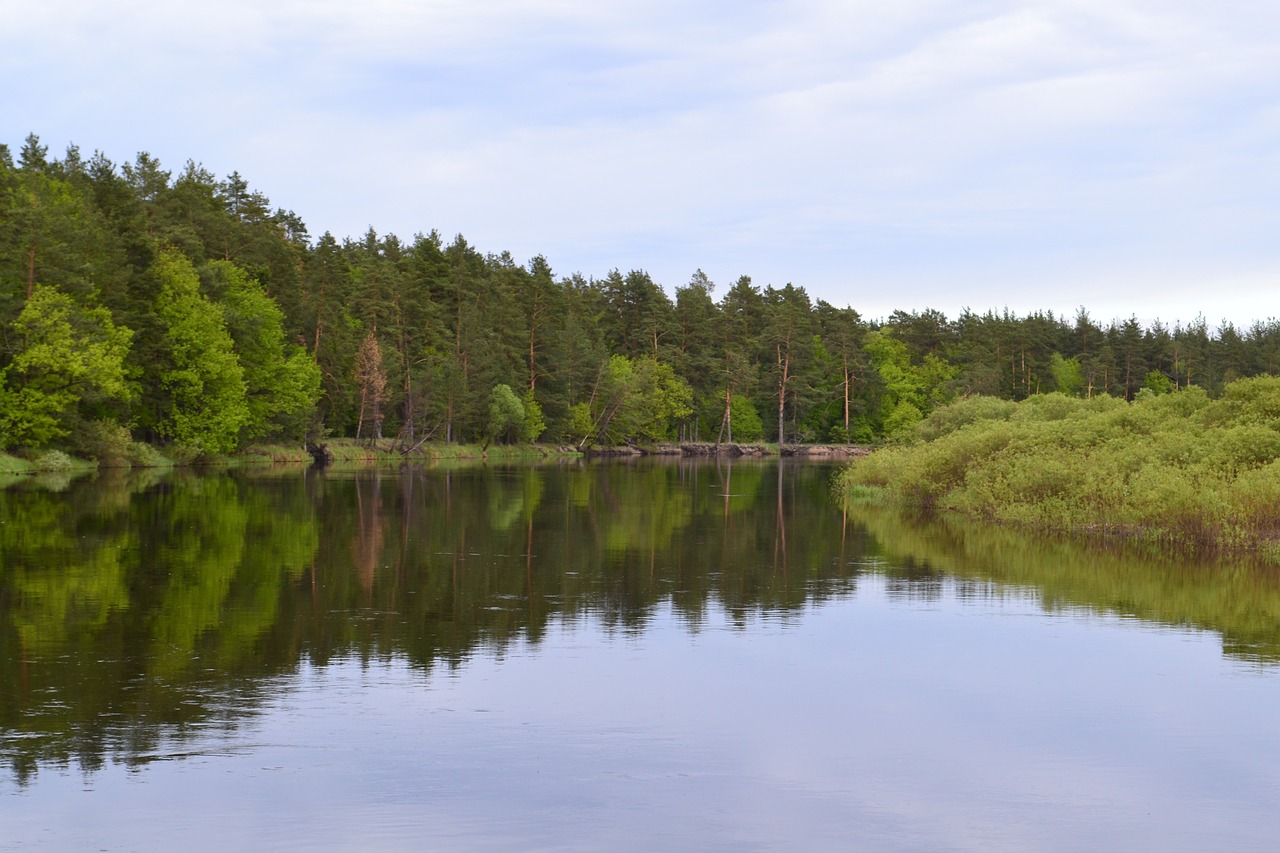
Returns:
point(1172, 467)
point(145, 456)
point(53, 462)
point(106, 441)
point(948, 419)
point(1055, 406)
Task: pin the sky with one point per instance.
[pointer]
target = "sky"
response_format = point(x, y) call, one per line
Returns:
point(1121, 156)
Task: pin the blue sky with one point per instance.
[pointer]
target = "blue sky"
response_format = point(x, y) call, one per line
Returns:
point(1123, 155)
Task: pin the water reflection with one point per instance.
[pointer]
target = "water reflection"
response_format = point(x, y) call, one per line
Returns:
point(1236, 598)
point(138, 613)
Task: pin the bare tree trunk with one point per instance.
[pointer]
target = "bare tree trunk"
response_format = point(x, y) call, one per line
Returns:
point(360, 421)
point(726, 422)
point(846, 401)
point(533, 331)
point(407, 429)
point(784, 372)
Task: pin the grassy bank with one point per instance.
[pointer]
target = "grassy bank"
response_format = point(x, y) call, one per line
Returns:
point(52, 468)
point(1174, 468)
point(127, 455)
point(349, 451)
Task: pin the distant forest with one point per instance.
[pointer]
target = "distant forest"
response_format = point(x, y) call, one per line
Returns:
point(180, 309)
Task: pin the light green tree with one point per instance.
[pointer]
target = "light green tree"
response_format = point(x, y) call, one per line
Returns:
point(1068, 374)
point(506, 414)
point(747, 426)
point(282, 381)
point(660, 399)
point(636, 398)
point(534, 423)
point(204, 404)
point(68, 357)
point(1157, 383)
point(911, 390)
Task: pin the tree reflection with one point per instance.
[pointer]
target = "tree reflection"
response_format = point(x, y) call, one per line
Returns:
point(136, 613)
point(1236, 598)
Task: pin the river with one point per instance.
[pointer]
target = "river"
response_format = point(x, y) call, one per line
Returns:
point(621, 656)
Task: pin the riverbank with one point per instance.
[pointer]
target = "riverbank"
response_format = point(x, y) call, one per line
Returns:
point(815, 451)
point(341, 452)
point(349, 452)
point(1177, 469)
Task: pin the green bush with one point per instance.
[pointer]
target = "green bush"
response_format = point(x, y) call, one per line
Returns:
point(948, 419)
point(53, 462)
point(145, 456)
point(106, 441)
point(1174, 467)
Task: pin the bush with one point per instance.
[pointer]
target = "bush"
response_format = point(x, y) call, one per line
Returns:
point(145, 456)
point(961, 413)
point(1172, 467)
point(1050, 407)
point(105, 441)
point(56, 462)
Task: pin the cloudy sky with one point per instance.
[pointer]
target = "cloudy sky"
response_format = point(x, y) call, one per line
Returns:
point(1121, 155)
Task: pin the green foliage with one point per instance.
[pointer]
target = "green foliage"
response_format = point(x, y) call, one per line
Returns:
point(1158, 383)
point(1057, 406)
point(54, 462)
point(660, 399)
point(12, 466)
point(1175, 467)
point(1068, 375)
point(534, 425)
point(111, 445)
point(900, 417)
point(205, 407)
point(68, 359)
point(947, 419)
point(747, 426)
point(451, 322)
point(580, 425)
point(635, 399)
point(282, 382)
point(107, 442)
point(506, 414)
point(911, 388)
point(145, 456)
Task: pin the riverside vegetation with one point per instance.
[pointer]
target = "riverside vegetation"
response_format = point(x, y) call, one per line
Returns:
point(1178, 468)
point(149, 318)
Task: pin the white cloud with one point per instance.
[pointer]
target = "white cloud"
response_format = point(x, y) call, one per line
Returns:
point(979, 153)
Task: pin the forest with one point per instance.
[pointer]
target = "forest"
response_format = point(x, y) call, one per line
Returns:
point(144, 308)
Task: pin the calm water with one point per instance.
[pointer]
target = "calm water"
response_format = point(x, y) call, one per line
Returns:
point(624, 657)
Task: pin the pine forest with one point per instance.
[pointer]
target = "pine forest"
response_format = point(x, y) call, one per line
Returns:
point(141, 306)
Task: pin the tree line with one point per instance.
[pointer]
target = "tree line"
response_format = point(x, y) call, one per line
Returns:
point(183, 310)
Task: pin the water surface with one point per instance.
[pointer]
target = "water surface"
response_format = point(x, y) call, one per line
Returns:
point(583, 657)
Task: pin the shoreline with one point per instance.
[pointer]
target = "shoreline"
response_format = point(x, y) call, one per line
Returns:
point(62, 467)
